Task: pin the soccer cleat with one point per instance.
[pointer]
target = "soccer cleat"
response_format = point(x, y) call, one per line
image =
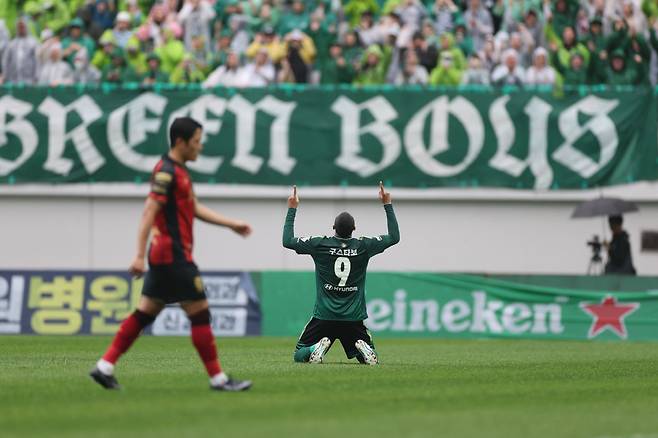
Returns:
point(232, 385)
point(319, 350)
point(106, 381)
point(369, 355)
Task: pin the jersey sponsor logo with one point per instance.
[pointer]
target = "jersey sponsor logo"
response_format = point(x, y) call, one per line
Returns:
point(348, 289)
point(343, 252)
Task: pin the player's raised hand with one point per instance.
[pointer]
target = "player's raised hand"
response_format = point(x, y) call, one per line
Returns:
point(384, 196)
point(137, 267)
point(293, 199)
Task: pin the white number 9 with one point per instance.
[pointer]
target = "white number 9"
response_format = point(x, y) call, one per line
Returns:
point(342, 269)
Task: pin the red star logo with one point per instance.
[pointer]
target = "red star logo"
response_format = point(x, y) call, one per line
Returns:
point(609, 314)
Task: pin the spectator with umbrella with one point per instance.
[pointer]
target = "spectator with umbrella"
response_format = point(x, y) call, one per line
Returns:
point(620, 260)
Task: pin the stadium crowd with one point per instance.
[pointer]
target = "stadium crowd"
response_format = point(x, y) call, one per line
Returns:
point(253, 43)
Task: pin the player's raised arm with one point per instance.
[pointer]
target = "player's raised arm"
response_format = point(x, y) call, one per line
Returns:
point(207, 215)
point(289, 239)
point(151, 209)
point(391, 221)
point(300, 245)
point(380, 243)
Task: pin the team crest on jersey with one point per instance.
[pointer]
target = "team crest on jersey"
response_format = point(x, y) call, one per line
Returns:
point(198, 284)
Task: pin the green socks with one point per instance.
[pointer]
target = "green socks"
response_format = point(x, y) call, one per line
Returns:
point(303, 354)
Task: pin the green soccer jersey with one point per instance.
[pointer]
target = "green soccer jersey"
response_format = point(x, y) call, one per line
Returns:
point(340, 267)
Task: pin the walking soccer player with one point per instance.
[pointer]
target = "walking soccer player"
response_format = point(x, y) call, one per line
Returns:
point(173, 276)
point(341, 262)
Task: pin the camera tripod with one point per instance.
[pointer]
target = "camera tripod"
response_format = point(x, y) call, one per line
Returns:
point(595, 266)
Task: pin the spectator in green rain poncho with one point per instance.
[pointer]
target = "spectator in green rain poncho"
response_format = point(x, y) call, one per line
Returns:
point(575, 72)
point(355, 8)
point(171, 52)
point(322, 39)
point(373, 68)
point(352, 50)
point(619, 72)
point(596, 44)
point(118, 71)
point(103, 57)
point(32, 16)
point(463, 41)
point(336, 69)
point(153, 73)
point(296, 18)
point(567, 47)
point(447, 41)
point(202, 57)
point(563, 14)
point(55, 15)
point(267, 16)
point(74, 6)
point(224, 9)
point(635, 48)
point(187, 72)
point(134, 56)
point(446, 73)
point(76, 40)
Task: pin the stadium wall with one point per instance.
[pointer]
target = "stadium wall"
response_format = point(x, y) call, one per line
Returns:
point(490, 231)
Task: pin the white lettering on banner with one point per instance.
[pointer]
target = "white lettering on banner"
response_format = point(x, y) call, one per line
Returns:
point(139, 125)
point(440, 109)
point(454, 316)
point(198, 109)
point(552, 312)
point(482, 316)
point(399, 311)
point(424, 316)
point(351, 132)
point(130, 125)
point(57, 115)
point(515, 318)
point(603, 128)
point(224, 291)
point(11, 303)
point(378, 313)
point(18, 126)
point(245, 133)
point(538, 112)
point(172, 321)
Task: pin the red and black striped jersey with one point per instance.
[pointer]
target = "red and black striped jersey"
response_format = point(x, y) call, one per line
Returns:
point(172, 239)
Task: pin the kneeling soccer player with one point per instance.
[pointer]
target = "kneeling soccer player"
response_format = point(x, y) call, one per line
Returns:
point(340, 271)
point(173, 277)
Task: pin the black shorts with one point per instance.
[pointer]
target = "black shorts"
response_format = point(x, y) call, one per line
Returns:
point(348, 332)
point(174, 283)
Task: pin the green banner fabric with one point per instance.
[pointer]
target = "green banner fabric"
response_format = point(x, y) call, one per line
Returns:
point(335, 137)
point(468, 306)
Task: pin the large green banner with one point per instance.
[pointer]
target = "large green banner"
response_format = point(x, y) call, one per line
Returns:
point(414, 137)
point(468, 306)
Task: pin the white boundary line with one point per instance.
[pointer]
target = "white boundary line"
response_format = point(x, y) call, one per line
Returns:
point(639, 192)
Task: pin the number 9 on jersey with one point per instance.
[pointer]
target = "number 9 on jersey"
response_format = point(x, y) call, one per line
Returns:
point(342, 269)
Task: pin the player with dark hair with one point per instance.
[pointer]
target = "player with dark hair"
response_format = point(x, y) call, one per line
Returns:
point(173, 276)
point(341, 262)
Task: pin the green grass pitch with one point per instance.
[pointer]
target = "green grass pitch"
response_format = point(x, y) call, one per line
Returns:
point(424, 388)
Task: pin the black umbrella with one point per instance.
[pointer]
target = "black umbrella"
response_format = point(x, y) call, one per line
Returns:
point(604, 207)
